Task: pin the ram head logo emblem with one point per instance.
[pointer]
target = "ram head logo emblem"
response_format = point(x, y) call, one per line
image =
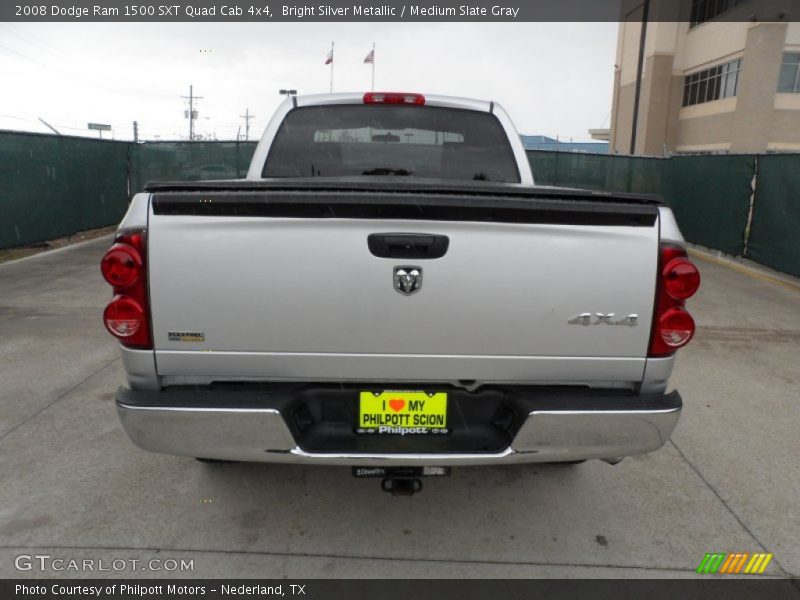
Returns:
point(407, 279)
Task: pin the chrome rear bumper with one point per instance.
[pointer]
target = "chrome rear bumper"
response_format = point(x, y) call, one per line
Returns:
point(612, 428)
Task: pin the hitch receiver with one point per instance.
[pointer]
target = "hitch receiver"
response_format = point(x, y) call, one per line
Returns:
point(400, 481)
point(401, 486)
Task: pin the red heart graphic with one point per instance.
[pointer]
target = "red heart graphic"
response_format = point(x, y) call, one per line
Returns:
point(397, 404)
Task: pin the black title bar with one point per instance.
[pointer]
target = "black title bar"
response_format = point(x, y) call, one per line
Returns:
point(397, 589)
point(377, 11)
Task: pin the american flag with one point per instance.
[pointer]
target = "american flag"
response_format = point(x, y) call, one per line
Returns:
point(329, 58)
point(370, 58)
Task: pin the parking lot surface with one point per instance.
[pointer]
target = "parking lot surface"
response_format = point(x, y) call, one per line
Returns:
point(73, 487)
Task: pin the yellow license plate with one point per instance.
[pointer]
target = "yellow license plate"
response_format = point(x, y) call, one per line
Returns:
point(402, 413)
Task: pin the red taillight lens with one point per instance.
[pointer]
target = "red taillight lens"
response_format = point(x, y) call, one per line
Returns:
point(676, 327)
point(124, 317)
point(124, 266)
point(121, 265)
point(678, 280)
point(393, 98)
point(681, 278)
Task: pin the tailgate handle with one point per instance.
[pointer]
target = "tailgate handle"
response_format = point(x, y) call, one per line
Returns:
point(408, 245)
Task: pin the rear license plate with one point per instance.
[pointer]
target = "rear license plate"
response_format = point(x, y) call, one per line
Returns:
point(402, 413)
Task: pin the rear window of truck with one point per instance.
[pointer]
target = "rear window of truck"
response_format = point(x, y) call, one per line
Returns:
point(409, 141)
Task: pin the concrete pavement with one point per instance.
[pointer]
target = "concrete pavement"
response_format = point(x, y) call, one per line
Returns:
point(73, 486)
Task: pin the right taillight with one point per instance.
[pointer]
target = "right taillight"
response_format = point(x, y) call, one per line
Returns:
point(678, 279)
point(127, 316)
point(681, 278)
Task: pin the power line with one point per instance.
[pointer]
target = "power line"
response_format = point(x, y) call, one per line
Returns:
point(145, 130)
point(118, 86)
point(606, 119)
point(18, 118)
point(20, 54)
point(27, 36)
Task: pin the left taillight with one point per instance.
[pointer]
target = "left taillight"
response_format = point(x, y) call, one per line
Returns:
point(678, 280)
point(124, 267)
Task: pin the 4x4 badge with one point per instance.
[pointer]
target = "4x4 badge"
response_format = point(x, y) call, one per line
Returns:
point(407, 279)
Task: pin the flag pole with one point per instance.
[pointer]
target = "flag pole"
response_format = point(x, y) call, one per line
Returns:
point(373, 66)
point(332, 59)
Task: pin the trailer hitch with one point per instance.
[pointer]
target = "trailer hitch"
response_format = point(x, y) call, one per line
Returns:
point(398, 485)
point(400, 481)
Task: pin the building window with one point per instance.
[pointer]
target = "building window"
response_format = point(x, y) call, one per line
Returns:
point(705, 10)
point(789, 80)
point(712, 84)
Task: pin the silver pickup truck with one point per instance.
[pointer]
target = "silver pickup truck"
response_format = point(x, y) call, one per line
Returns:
point(389, 290)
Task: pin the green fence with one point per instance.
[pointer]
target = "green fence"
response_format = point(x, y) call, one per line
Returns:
point(710, 196)
point(182, 161)
point(51, 186)
point(597, 171)
point(775, 230)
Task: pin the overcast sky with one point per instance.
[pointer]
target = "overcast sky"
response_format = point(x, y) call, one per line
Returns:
point(553, 78)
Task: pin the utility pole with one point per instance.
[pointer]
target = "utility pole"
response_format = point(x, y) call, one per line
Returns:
point(135, 131)
point(191, 113)
point(639, 69)
point(247, 116)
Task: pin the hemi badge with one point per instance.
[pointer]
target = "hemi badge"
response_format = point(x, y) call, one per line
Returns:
point(186, 336)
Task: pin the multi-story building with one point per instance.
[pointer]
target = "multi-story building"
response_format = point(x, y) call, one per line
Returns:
point(716, 76)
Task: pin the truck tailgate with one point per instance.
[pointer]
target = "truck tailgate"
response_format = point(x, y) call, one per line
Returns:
point(243, 286)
